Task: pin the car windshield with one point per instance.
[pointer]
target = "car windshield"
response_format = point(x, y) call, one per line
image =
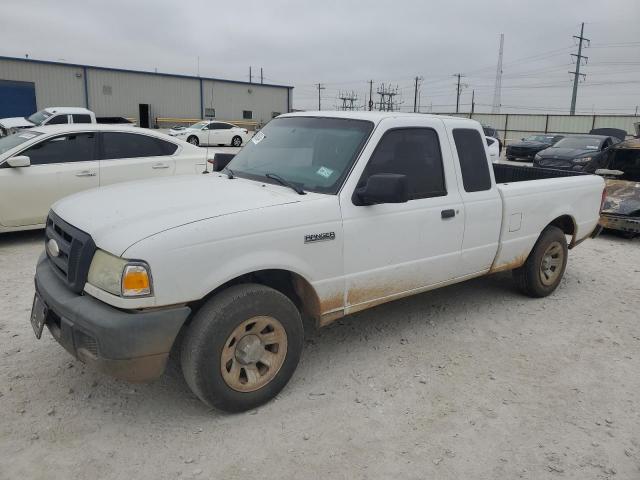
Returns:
point(199, 125)
point(39, 117)
point(313, 153)
point(628, 161)
point(539, 138)
point(7, 143)
point(583, 143)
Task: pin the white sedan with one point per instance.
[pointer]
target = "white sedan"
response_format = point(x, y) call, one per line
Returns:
point(44, 164)
point(209, 132)
point(493, 147)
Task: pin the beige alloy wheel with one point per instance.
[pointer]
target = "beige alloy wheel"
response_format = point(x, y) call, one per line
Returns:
point(253, 353)
point(551, 264)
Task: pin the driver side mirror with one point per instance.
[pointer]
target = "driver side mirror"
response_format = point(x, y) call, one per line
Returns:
point(19, 161)
point(383, 188)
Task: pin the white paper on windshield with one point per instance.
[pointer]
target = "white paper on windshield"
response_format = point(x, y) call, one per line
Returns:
point(26, 135)
point(325, 172)
point(258, 137)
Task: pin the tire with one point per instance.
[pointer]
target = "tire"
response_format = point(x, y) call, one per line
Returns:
point(236, 141)
point(218, 353)
point(543, 270)
point(193, 140)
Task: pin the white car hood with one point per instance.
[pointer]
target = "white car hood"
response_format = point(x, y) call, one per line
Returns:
point(120, 215)
point(16, 122)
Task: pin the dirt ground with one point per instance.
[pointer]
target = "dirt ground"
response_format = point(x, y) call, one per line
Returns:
point(472, 381)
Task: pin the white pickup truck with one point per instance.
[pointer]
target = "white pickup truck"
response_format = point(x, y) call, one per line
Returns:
point(56, 116)
point(321, 215)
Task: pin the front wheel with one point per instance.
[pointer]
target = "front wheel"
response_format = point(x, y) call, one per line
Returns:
point(242, 347)
point(236, 141)
point(193, 140)
point(542, 272)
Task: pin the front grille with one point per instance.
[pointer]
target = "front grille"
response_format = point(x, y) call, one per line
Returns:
point(75, 251)
point(554, 163)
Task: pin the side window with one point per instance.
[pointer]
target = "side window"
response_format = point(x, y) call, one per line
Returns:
point(81, 118)
point(78, 147)
point(214, 126)
point(226, 126)
point(131, 145)
point(247, 114)
point(473, 160)
point(414, 152)
point(58, 120)
point(490, 141)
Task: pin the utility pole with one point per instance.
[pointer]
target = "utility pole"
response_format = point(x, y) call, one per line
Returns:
point(320, 88)
point(250, 75)
point(497, 93)
point(261, 77)
point(576, 73)
point(473, 102)
point(370, 95)
point(458, 91)
point(415, 95)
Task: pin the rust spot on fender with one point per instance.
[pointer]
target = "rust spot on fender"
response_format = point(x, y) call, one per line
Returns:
point(515, 263)
point(332, 302)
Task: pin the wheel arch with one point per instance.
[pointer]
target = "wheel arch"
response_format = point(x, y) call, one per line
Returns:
point(567, 224)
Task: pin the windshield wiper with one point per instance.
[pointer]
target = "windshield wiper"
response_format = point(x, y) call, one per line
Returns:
point(286, 183)
point(230, 174)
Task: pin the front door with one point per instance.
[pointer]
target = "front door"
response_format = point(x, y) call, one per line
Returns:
point(60, 166)
point(394, 249)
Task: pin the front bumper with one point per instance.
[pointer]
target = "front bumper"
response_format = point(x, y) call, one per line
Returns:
point(130, 345)
point(623, 224)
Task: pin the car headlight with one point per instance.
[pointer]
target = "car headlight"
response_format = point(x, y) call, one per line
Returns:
point(118, 276)
point(582, 160)
point(537, 157)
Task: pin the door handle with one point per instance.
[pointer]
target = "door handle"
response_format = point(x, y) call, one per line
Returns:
point(449, 213)
point(157, 166)
point(86, 173)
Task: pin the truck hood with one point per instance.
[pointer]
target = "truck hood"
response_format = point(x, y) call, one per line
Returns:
point(16, 122)
point(120, 215)
point(623, 198)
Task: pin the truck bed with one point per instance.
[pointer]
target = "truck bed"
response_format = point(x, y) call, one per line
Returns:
point(505, 173)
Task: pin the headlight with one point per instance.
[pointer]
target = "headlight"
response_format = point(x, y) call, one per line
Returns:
point(537, 156)
point(582, 160)
point(118, 276)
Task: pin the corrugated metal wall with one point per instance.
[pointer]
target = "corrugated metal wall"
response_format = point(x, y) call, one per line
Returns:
point(118, 93)
point(513, 126)
point(230, 100)
point(56, 85)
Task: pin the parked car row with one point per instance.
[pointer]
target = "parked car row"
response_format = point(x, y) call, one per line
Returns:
point(42, 165)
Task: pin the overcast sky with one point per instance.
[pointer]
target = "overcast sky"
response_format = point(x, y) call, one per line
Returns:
point(343, 44)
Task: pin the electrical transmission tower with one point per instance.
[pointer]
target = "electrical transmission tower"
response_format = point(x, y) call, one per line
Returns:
point(576, 73)
point(387, 102)
point(497, 92)
point(349, 100)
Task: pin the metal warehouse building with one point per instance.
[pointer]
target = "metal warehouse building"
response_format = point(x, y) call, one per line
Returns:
point(29, 85)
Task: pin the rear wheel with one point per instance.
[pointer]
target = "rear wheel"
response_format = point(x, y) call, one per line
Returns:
point(193, 140)
point(542, 272)
point(242, 347)
point(236, 141)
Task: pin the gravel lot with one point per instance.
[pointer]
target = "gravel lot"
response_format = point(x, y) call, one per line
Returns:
point(472, 381)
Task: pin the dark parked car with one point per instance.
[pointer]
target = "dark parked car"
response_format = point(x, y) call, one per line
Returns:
point(492, 132)
point(529, 146)
point(573, 152)
point(620, 165)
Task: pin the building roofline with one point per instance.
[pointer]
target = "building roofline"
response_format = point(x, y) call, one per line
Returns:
point(144, 72)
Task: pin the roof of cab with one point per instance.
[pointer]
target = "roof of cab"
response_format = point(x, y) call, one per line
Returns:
point(371, 116)
point(67, 110)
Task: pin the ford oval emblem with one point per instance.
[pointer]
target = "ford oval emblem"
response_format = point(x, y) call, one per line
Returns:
point(53, 248)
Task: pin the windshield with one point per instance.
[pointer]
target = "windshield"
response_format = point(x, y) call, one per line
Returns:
point(39, 117)
point(7, 143)
point(627, 161)
point(313, 153)
point(583, 143)
point(539, 138)
point(199, 125)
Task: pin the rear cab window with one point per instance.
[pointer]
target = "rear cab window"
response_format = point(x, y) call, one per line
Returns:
point(473, 160)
